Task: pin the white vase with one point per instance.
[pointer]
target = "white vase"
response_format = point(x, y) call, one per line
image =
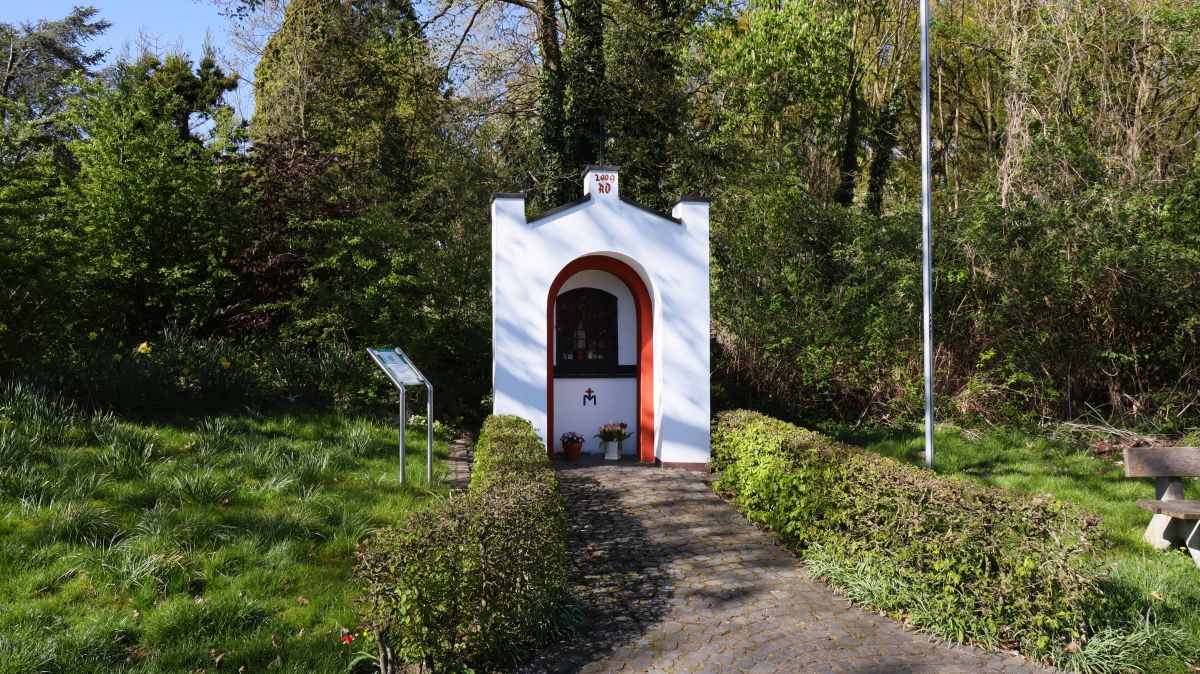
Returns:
point(612, 450)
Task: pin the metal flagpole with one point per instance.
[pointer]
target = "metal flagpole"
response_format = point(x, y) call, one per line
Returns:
point(926, 234)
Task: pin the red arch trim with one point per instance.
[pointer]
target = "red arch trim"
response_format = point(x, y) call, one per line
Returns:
point(645, 350)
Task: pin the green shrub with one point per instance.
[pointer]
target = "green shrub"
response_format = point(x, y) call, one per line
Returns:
point(479, 580)
point(966, 562)
point(175, 370)
point(506, 444)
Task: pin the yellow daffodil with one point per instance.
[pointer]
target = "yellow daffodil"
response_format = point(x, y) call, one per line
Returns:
point(144, 347)
point(225, 362)
point(116, 356)
point(92, 336)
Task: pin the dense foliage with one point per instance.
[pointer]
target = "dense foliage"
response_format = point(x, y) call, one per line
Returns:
point(133, 207)
point(965, 561)
point(1147, 618)
point(481, 579)
point(352, 209)
point(1066, 218)
point(172, 372)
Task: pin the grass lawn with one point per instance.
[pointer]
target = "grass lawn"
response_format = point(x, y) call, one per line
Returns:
point(187, 545)
point(1148, 588)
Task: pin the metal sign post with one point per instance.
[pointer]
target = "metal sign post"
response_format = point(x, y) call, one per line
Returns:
point(403, 426)
point(400, 369)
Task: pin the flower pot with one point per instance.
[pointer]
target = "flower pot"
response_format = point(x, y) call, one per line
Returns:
point(612, 450)
point(572, 450)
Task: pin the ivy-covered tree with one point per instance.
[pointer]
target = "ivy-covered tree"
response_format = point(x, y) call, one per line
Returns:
point(587, 87)
point(649, 102)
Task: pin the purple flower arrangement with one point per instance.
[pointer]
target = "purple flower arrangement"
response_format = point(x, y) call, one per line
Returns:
point(571, 437)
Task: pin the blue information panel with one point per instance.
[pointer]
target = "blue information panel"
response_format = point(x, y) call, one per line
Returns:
point(397, 367)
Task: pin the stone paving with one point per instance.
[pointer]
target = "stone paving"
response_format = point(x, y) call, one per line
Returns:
point(458, 472)
point(674, 579)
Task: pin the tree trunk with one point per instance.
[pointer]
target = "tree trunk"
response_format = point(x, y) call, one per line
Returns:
point(551, 102)
point(883, 144)
point(849, 155)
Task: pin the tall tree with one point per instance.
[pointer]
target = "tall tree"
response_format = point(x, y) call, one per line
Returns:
point(883, 151)
point(194, 93)
point(353, 78)
point(39, 58)
point(552, 90)
point(148, 211)
point(649, 104)
point(587, 88)
point(42, 66)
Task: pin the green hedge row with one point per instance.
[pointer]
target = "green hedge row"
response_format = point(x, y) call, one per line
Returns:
point(965, 561)
point(480, 580)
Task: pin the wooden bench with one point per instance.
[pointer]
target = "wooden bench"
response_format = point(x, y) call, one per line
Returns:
point(1176, 521)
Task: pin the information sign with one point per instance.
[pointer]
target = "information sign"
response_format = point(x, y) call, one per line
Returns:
point(401, 370)
point(397, 367)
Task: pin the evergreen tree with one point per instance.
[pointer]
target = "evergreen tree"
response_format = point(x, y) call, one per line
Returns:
point(43, 67)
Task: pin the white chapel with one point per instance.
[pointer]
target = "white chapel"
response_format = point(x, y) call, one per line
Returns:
point(601, 314)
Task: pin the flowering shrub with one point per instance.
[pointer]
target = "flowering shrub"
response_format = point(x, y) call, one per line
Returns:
point(613, 432)
point(571, 438)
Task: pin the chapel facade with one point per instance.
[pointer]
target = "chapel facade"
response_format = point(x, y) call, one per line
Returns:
point(601, 314)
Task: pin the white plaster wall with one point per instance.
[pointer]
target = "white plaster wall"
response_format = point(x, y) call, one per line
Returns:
point(672, 258)
point(616, 401)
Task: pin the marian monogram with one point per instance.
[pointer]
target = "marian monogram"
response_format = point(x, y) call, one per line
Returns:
point(589, 395)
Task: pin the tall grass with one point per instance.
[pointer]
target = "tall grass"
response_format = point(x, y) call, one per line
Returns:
point(159, 547)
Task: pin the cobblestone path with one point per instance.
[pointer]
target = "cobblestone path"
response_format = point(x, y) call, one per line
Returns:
point(676, 580)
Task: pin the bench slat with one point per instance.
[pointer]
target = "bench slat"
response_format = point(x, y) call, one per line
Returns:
point(1183, 510)
point(1162, 462)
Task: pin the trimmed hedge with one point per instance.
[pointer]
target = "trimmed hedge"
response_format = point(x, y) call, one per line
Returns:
point(480, 580)
point(507, 444)
point(965, 561)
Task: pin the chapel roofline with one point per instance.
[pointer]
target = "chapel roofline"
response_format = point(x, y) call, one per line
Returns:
point(603, 168)
point(559, 209)
point(588, 197)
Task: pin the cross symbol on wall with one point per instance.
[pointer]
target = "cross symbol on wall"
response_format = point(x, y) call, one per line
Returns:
point(589, 392)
